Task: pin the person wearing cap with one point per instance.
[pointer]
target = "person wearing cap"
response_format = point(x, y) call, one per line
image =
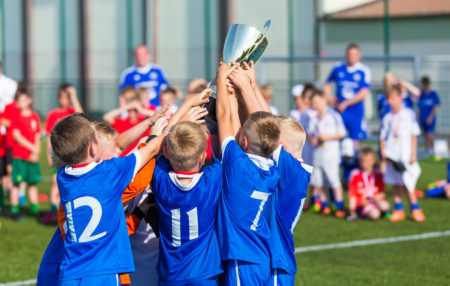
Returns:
point(304, 114)
point(352, 80)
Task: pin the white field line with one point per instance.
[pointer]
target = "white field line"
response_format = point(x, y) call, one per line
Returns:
point(322, 247)
point(371, 241)
point(19, 283)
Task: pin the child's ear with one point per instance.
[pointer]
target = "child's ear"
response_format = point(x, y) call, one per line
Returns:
point(203, 158)
point(165, 151)
point(245, 142)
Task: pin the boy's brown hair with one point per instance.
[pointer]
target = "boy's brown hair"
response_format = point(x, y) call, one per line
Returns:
point(317, 93)
point(71, 138)
point(185, 144)
point(396, 88)
point(365, 151)
point(129, 93)
point(22, 89)
point(63, 88)
point(292, 134)
point(266, 90)
point(263, 132)
point(104, 129)
point(169, 90)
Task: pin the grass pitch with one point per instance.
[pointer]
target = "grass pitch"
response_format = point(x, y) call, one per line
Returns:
point(420, 262)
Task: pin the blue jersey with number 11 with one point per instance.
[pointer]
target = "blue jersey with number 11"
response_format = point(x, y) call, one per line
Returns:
point(288, 206)
point(246, 205)
point(188, 247)
point(97, 240)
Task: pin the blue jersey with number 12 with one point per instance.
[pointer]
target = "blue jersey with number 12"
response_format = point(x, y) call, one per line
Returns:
point(288, 206)
point(246, 205)
point(97, 240)
point(188, 247)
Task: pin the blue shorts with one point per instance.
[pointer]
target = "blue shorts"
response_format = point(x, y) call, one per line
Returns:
point(356, 126)
point(246, 274)
point(48, 274)
point(103, 280)
point(200, 282)
point(281, 278)
point(428, 128)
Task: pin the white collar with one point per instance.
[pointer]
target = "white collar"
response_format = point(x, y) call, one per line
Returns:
point(352, 68)
point(80, 171)
point(261, 162)
point(144, 69)
point(195, 178)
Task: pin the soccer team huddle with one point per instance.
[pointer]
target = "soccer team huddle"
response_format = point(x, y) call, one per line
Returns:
point(221, 185)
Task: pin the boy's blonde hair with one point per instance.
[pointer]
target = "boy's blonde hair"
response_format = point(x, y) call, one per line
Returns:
point(292, 135)
point(186, 143)
point(263, 132)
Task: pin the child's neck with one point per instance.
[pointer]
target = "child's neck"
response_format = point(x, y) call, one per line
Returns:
point(186, 180)
point(395, 109)
point(368, 171)
point(26, 111)
point(322, 111)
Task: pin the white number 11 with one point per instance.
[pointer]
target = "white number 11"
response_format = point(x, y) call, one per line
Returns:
point(263, 198)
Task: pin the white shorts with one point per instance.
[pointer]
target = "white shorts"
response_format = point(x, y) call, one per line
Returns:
point(326, 176)
point(392, 176)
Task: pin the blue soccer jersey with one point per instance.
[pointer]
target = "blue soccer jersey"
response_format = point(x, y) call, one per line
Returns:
point(426, 103)
point(246, 205)
point(288, 206)
point(151, 76)
point(97, 240)
point(48, 274)
point(349, 81)
point(189, 250)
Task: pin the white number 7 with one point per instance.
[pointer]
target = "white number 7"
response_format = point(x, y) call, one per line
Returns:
point(263, 198)
point(96, 208)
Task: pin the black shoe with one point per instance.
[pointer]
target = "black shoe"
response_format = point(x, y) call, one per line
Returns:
point(17, 217)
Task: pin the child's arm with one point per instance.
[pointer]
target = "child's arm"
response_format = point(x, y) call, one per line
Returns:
point(125, 139)
point(241, 80)
point(34, 157)
point(195, 100)
point(223, 103)
point(234, 105)
point(331, 137)
point(413, 149)
point(49, 147)
point(109, 116)
point(432, 114)
point(360, 96)
point(150, 150)
point(23, 141)
point(250, 69)
point(74, 99)
point(414, 90)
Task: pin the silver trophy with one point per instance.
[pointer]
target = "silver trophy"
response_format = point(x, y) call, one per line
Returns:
point(243, 43)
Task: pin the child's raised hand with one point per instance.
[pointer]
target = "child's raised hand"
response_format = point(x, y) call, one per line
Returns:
point(224, 71)
point(250, 70)
point(240, 79)
point(159, 126)
point(200, 98)
point(159, 113)
point(196, 114)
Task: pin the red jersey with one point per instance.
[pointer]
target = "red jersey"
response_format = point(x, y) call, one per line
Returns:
point(365, 187)
point(29, 127)
point(55, 115)
point(123, 124)
point(2, 140)
point(10, 113)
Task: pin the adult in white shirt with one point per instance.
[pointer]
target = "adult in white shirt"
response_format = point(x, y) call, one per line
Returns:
point(8, 88)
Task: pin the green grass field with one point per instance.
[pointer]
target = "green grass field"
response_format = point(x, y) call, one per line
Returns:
point(420, 262)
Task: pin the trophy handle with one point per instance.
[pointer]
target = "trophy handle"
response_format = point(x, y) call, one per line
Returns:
point(266, 27)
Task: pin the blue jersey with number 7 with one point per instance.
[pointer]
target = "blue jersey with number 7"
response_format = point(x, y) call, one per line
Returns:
point(246, 205)
point(97, 240)
point(188, 245)
point(288, 207)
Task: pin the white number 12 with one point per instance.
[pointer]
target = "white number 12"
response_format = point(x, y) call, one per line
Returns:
point(263, 198)
point(96, 208)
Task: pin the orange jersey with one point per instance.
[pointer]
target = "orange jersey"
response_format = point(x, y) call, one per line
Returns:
point(137, 186)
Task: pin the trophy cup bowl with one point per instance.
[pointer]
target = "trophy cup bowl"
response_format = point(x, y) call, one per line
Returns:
point(243, 43)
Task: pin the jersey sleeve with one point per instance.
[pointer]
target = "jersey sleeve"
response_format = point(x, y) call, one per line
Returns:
point(140, 181)
point(50, 122)
point(366, 78)
point(353, 183)
point(437, 100)
point(125, 169)
point(125, 80)
point(38, 120)
point(163, 79)
point(340, 127)
point(333, 74)
point(379, 182)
